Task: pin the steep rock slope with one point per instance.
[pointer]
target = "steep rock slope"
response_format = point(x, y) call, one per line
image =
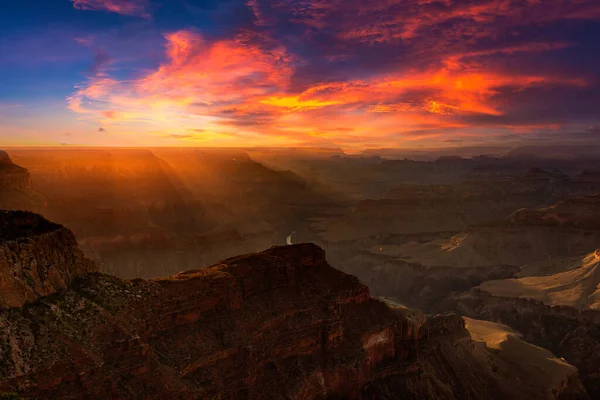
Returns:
point(517, 359)
point(15, 186)
point(568, 332)
point(554, 299)
point(577, 286)
point(570, 228)
point(278, 324)
point(150, 213)
point(11, 175)
point(37, 258)
point(423, 271)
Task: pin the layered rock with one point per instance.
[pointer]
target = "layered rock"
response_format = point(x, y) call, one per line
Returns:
point(577, 285)
point(516, 359)
point(576, 212)
point(147, 214)
point(277, 324)
point(568, 332)
point(416, 283)
point(450, 207)
point(570, 228)
point(15, 187)
point(37, 258)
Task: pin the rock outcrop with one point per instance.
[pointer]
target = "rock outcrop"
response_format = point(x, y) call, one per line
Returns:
point(278, 324)
point(568, 332)
point(37, 258)
point(15, 187)
point(577, 285)
point(12, 176)
point(516, 359)
point(577, 212)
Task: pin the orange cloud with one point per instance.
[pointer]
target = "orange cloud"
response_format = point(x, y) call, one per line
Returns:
point(247, 83)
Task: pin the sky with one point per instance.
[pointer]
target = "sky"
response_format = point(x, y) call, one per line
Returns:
point(353, 74)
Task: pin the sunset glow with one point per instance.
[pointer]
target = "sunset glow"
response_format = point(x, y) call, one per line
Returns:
point(351, 74)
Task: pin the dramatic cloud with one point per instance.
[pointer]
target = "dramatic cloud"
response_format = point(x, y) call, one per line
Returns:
point(357, 73)
point(127, 7)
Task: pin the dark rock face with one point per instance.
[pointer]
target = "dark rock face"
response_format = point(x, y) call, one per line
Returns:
point(419, 286)
point(37, 258)
point(577, 212)
point(281, 324)
point(12, 177)
point(4, 158)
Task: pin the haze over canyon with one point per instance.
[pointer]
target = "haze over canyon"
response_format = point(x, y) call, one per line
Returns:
point(300, 199)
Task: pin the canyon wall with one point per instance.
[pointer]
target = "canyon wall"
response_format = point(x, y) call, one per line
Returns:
point(12, 176)
point(37, 258)
point(566, 331)
point(412, 208)
point(281, 324)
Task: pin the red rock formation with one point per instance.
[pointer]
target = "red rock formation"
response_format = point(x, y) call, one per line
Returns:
point(37, 258)
point(281, 324)
point(411, 208)
point(12, 176)
point(577, 212)
point(566, 331)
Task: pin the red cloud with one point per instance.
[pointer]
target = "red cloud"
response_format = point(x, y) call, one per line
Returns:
point(126, 7)
point(249, 82)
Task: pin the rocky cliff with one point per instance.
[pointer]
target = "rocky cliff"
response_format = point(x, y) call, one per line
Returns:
point(37, 258)
point(11, 175)
point(566, 331)
point(149, 214)
point(577, 212)
point(15, 187)
point(281, 324)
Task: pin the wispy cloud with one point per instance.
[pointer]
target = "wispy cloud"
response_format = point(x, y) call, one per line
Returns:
point(140, 8)
point(356, 73)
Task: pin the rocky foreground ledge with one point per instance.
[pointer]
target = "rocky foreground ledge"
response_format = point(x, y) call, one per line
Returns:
point(281, 324)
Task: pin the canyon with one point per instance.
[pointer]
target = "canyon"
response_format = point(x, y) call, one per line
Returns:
point(149, 213)
point(277, 324)
point(15, 186)
point(509, 243)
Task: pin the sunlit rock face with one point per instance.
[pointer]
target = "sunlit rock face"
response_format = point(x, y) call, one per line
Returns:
point(553, 300)
point(276, 324)
point(142, 213)
point(568, 332)
point(15, 187)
